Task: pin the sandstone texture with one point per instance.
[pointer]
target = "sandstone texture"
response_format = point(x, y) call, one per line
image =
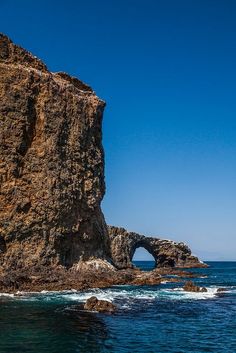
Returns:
point(51, 165)
point(166, 253)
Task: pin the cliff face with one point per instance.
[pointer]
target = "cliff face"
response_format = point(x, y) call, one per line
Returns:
point(52, 175)
point(51, 165)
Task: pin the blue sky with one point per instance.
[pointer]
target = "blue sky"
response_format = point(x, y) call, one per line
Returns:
point(167, 72)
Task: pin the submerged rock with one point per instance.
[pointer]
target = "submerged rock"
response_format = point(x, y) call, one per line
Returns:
point(189, 286)
point(102, 306)
point(221, 290)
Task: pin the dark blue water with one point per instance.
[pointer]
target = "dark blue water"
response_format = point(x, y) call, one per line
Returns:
point(150, 319)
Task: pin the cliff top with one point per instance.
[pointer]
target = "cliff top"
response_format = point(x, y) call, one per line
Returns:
point(12, 54)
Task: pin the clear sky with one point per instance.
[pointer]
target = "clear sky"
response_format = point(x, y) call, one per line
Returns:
point(167, 70)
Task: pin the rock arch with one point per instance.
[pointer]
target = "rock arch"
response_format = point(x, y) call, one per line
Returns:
point(166, 253)
point(145, 245)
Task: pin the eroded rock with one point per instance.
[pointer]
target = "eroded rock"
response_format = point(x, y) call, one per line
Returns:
point(189, 286)
point(166, 253)
point(102, 306)
point(51, 165)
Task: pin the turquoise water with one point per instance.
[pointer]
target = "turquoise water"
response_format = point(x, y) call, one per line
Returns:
point(149, 319)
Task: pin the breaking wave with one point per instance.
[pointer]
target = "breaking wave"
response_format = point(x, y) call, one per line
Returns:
point(124, 296)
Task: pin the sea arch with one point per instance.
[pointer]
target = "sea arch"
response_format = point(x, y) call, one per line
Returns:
point(166, 253)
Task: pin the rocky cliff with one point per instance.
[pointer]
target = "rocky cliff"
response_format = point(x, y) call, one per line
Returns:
point(51, 165)
point(52, 180)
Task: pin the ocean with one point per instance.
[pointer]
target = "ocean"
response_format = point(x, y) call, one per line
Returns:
point(149, 319)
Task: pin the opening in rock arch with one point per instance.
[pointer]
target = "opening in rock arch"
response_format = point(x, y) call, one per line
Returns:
point(143, 259)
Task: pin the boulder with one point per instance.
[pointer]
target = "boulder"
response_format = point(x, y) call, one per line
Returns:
point(101, 306)
point(189, 286)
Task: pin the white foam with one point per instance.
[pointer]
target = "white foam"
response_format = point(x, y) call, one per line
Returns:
point(230, 289)
point(124, 295)
point(179, 293)
point(120, 294)
point(112, 294)
point(7, 295)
